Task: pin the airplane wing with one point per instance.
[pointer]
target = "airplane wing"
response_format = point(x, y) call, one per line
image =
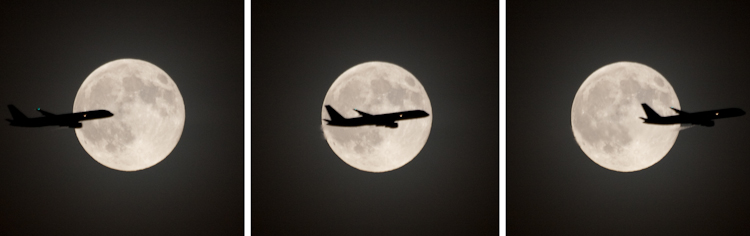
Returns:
point(44, 112)
point(362, 113)
point(680, 112)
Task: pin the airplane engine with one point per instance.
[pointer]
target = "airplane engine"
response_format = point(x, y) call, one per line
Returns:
point(78, 125)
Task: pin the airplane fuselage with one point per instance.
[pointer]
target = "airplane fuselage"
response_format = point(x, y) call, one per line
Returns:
point(696, 118)
point(388, 120)
point(71, 120)
point(704, 118)
point(383, 119)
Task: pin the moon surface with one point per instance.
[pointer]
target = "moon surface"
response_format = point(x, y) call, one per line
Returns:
point(377, 88)
point(605, 116)
point(149, 114)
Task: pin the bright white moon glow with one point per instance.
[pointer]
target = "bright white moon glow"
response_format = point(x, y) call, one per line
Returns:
point(606, 111)
point(377, 88)
point(148, 109)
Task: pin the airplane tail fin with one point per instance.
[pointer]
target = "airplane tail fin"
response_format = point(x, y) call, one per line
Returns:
point(17, 115)
point(650, 113)
point(333, 114)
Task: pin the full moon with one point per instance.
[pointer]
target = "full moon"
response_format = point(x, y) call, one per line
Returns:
point(148, 109)
point(606, 111)
point(377, 88)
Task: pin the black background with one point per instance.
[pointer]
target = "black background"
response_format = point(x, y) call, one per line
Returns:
point(700, 187)
point(49, 185)
point(300, 187)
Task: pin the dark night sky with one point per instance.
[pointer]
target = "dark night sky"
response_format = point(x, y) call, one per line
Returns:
point(300, 187)
point(50, 186)
point(702, 185)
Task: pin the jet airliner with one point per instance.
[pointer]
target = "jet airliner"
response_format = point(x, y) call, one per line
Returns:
point(387, 120)
point(704, 118)
point(71, 120)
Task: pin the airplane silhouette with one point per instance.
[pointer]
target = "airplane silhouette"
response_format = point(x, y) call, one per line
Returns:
point(71, 120)
point(387, 120)
point(704, 118)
